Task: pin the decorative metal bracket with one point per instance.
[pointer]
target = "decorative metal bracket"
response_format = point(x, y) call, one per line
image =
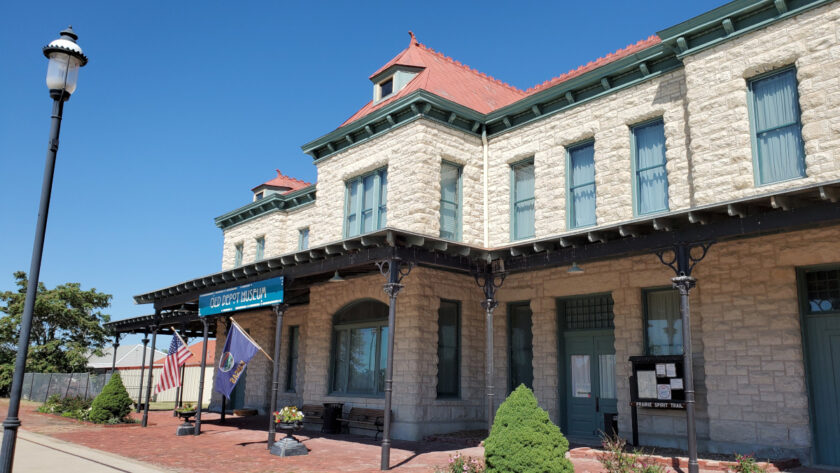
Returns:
point(682, 260)
point(394, 269)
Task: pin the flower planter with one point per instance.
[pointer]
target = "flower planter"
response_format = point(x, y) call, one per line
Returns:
point(187, 428)
point(288, 446)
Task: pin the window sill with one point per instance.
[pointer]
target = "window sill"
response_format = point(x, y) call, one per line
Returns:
point(767, 184)
point(362, 396)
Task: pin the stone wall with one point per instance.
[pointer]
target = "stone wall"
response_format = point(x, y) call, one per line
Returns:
point(279, 228)
point(717, 103)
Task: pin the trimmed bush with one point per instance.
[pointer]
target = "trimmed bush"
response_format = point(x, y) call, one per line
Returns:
point(524, 440)
point(113, 403)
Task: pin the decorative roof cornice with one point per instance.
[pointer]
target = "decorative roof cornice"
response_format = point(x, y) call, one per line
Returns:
point(730, 21)
point(271, 203)
point(704, 31)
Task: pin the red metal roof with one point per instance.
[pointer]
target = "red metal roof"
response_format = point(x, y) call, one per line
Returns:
point(601, 61)
point(284, 181)
point(446, 78)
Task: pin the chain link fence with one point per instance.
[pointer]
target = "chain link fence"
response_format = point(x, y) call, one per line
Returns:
point(40, 386)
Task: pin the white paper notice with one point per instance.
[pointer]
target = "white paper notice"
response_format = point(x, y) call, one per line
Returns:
point(670, 370)
point(663, 392)
point(660, 370)
point(647, 384)
point(676, 383)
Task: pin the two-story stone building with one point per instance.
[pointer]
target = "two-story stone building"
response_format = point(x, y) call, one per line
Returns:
point(721, 130)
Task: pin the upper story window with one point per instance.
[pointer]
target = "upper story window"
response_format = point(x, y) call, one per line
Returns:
point(386, 88)
point(651, 178)
point(450, 201)
point(663, 325)
point(522, 200)
point(366, 209)
point(260, 249)
point(303, 239)
point(259, 195)
point(581, 169)
point(237, 257)
point(778, 150)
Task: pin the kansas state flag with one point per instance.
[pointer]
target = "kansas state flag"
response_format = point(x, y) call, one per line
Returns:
point(239, 349)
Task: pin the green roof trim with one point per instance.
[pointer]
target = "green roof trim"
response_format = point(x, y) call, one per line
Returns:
point(701, 32)
point(271, 203)
point(730, 21)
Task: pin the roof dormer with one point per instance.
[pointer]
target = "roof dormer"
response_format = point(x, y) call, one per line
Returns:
point(398, 72)
point(279, 185)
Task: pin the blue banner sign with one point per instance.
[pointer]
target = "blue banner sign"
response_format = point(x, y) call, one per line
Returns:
point(249, 296)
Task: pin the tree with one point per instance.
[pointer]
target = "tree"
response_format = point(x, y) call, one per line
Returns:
point(524, 440)
point(112, 403)
point(66, 327)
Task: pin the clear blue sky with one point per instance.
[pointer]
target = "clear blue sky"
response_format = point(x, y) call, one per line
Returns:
point(185, 106)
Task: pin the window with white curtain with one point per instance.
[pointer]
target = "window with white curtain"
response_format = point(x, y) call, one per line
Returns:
point(366, 206)
point(237, 256)
point(663, 325)
point(522, 200)
point(582, 185)
point(651, 177)
point(777, 132)
point(450, 201)
point(260, 254)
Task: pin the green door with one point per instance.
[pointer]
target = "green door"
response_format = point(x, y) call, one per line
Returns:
point(819, 294)
point(823, 341)
point(590, 381)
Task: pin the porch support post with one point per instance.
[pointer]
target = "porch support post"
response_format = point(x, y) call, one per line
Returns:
point(114, 359)
point(179, 390)
point(201, 378)
point(145, 421)
point(224, 398)
point(142, 370)
point(279, 310)
point(392, 269)
point(489, 282)
point(682, 263)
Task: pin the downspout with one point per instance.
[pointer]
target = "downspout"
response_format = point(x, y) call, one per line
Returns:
point(486, 203)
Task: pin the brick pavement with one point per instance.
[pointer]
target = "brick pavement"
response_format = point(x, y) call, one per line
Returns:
point(240, 446)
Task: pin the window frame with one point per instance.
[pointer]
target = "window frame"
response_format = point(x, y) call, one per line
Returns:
point(570, 207)
point(460, 204)
point(513, 201)
point(379, 391)
point(458, 344)
point(756, 157)
point(376, 211)
point(634, 167)
point(303, 242)
point(291, 384)
point(645, 292)
point(259, 253)
point(238, 254)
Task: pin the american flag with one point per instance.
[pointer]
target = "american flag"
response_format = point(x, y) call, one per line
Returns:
point(170, 377)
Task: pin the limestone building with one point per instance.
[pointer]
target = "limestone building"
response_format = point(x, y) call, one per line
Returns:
point(717, 139)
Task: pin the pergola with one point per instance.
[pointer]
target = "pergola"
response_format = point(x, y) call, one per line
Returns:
point(680, 239)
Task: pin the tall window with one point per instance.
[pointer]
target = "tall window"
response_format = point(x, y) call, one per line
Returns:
point(449, 349)
point(663, 325)
point(303, 239)
point(366, 208)
point(237, 257)
point(520, 344)
point(292, 360)
point(450, 201)
point(260, 248)
point(651, 179)
point(582, 185)
point(359, 349)
point(522, 200)
point(777, 140)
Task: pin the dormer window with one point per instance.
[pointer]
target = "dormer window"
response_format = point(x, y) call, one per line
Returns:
point(386, 88)
point(258, 195)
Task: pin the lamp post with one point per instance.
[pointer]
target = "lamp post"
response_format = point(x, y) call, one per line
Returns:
point(65, 59)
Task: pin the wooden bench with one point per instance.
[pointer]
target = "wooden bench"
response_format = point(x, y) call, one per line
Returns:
point(361, 418)
point(313, 413)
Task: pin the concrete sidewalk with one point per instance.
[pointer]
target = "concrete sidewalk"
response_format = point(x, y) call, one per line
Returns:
point(35, 453)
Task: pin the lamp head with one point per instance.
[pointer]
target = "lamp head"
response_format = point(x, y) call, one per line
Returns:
point(65, 59)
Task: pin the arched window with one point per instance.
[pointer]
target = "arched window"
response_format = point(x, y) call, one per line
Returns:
point(359, 348)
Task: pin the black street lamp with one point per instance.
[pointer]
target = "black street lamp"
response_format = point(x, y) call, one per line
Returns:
point(65, 59)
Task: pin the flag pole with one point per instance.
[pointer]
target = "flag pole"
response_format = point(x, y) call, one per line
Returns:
point(251, 339)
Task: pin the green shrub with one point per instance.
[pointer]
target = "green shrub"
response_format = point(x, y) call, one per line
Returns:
point(524, 440)
point(112, 403)
point(76, 407)
point(616, 459)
